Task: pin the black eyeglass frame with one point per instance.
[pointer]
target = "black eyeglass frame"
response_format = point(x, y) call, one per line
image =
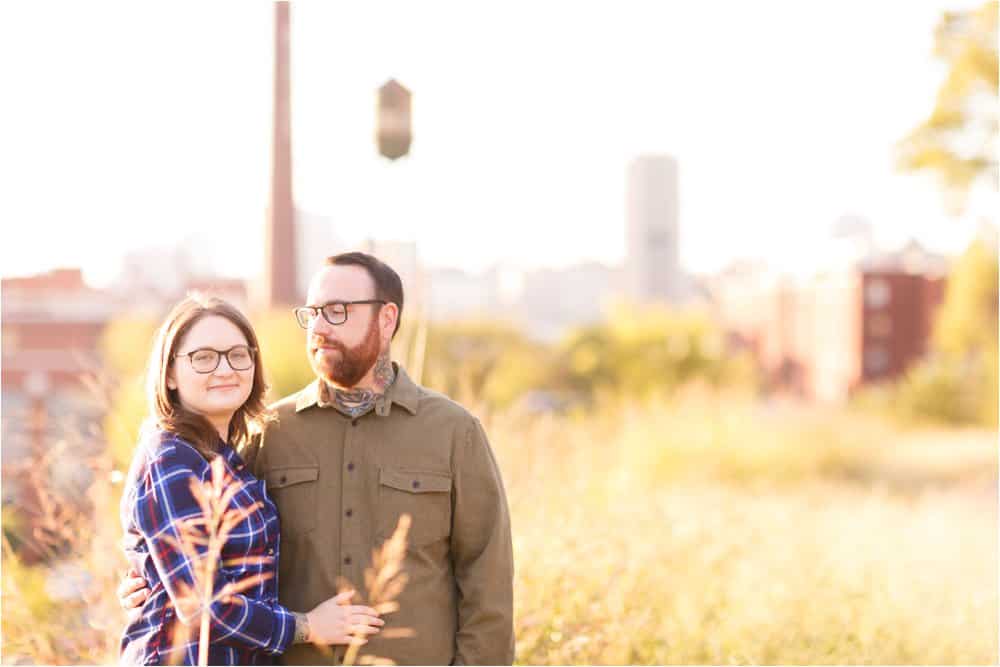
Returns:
point(316, 311)
point(218, 357)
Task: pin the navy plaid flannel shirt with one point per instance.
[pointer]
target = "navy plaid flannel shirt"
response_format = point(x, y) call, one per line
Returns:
point(248, 631)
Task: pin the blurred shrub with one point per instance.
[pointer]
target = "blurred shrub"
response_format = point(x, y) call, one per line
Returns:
point(283, 347)
point(637, 353)
point(483, 362)
point(126, 343)
point(941, 389)
point(642, 351)
point(957, 383)
point(62, 608)
point(125, 346)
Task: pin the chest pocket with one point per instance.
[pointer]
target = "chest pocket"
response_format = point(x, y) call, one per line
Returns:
point(294, 490)
point(425, 496)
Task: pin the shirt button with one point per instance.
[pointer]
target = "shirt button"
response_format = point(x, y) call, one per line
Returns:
point(282, 480)
point(349, 512)
point(354, 422)
point(350, 466)
point(347, 560)
point(416, 484)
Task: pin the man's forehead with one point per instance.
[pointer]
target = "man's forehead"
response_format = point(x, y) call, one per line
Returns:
point(340, 283)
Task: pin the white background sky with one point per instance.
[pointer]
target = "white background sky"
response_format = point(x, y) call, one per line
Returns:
point(128, 125)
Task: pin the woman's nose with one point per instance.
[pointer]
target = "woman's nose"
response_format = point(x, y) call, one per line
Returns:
point(223, 368)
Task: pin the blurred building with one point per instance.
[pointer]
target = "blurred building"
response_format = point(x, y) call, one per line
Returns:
point(651, 230)
point(316, 239)
point(52, 325)
point(402, 257)
point(851, 240)
point(544, 303)
point(153, 279)
point(233, 290)
point(554, 300)
point(154, 275)
point(824, 336)
point(455, 294)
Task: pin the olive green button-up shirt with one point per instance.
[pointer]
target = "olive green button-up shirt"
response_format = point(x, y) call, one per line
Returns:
point(340, 486)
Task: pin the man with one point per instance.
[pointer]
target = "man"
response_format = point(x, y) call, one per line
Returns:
point(363, 444)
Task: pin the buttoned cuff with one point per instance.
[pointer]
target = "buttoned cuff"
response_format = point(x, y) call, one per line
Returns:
point(284, 630)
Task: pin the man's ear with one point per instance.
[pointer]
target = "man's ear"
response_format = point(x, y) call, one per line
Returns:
point(389, 316)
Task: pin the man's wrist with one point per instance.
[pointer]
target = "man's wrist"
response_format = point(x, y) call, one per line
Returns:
point(301, 628)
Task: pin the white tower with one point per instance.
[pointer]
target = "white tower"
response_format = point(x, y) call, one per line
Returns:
point(652, 266)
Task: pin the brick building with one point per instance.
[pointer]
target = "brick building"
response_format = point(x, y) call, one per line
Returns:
point(824, 336)
point(52, 325)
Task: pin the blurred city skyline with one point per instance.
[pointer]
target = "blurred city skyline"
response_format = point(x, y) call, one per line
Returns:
point(141, 126)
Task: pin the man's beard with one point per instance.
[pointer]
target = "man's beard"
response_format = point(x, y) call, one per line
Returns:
point(353, 364)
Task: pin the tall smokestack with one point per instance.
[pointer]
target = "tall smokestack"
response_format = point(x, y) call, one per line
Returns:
point(279, 288)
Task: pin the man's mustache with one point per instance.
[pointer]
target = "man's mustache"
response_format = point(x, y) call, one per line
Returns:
point(320, 341)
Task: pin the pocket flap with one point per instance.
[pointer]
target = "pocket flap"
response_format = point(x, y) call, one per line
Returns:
point(281, 477)
point(415, 482)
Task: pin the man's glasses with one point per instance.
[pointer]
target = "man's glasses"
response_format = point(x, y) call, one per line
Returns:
point(206, 359)
point(334, 312)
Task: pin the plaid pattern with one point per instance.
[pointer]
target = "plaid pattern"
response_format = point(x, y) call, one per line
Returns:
point(248, 631)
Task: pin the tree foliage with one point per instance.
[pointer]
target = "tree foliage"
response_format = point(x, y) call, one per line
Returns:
point(283, 351)
point(639, 352)
point(483, 362)
point(125, 346)
point(958, 381)
point(636, 353)
point(957, 141)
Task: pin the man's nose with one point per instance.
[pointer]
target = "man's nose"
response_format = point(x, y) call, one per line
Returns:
point(321, 327)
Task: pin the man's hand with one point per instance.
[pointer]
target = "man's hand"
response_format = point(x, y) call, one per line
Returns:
point(132, 591)
point(336, 621)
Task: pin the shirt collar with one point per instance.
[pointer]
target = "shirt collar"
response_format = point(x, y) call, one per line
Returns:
point(402, 391)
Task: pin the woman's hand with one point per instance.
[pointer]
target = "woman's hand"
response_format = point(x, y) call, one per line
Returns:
point(132, 590)
point(337, 622)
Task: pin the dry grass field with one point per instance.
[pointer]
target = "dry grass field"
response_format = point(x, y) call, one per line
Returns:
point(699, 530)
point(720, 532)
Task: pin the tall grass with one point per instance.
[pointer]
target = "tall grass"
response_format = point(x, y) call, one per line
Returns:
point(721, 532)
point(64, 611)
point(703, 529)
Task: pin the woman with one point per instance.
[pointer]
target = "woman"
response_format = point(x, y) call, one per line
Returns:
point(205, 388)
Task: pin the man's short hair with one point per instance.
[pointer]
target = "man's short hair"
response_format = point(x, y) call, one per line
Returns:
point(388, 286)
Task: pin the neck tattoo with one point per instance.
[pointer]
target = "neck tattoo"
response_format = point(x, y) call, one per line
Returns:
point(356, 402)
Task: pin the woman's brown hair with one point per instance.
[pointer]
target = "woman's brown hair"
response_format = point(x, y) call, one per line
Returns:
point(164, 403)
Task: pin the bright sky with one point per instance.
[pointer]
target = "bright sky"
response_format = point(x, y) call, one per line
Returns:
point(127, 125)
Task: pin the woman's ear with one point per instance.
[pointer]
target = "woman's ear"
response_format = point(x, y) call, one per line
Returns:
point(171, 381)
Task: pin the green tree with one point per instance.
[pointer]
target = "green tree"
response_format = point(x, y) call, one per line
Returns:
point(483, 361)
point(958, 381)
point(957, 140)
point(965, 330)
point(966, 324)
point(642, 351)
point(125, 346)
point(283, 351)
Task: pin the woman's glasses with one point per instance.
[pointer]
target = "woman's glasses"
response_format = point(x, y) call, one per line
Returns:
point(206, 359)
